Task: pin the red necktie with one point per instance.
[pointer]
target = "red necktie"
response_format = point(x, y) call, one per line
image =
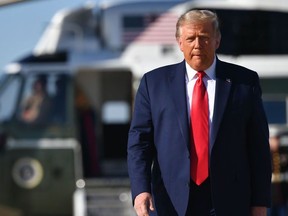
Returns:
point(199, 131)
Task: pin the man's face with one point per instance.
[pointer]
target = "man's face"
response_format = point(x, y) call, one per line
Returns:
point(198, 41)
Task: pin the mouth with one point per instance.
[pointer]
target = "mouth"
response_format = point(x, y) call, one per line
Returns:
point(198, 56)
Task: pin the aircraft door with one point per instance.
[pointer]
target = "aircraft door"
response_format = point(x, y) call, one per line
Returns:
point(110, 96)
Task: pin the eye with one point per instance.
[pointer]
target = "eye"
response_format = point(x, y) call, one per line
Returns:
point(204, 38)
point(190, 39)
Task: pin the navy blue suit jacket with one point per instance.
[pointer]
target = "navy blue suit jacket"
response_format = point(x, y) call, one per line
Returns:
point(158, 145)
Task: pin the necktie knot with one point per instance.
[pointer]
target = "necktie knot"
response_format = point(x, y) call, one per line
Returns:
point(201, 74)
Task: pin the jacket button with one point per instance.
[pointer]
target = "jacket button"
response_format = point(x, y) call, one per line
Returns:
point(188, 184)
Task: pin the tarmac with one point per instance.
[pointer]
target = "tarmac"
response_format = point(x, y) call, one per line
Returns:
point(108, 197)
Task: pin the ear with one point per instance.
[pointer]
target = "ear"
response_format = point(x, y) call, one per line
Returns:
point(180, 43)
point(218, 40)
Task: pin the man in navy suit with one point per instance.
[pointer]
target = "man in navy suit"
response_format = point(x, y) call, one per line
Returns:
point(160, 141)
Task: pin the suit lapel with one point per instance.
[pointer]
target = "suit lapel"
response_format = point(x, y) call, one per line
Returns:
point(177, 89)
point(223, 86)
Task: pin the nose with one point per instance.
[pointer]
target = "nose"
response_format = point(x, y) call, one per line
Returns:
point(197, 43)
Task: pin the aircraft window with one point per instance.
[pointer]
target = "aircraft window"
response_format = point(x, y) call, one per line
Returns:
point(10, 87)
point(133, 25)
point(36, 103)
point(43, 100)
point(252, 32)
point(60, 99)
point(138, 21)
point(274, 85)
point(133, 22)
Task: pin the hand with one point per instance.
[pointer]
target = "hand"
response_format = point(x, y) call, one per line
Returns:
point(143, 204)
point(258, 211)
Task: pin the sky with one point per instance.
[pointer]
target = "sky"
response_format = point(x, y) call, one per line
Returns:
point(23, 24)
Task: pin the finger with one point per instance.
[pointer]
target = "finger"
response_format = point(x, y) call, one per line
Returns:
point(151, 206)
point(142, 210)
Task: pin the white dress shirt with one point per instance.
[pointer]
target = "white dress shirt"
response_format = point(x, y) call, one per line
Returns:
point(210, 83)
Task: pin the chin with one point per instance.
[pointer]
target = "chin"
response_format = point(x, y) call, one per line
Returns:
point(199, 66)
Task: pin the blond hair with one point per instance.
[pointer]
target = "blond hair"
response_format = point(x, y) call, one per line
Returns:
point(194, 16)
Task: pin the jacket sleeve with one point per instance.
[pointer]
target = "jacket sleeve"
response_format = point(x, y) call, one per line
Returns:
point(140, 147)
point(260, 161)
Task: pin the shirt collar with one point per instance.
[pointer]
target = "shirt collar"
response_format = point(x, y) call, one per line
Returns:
point(210, 72)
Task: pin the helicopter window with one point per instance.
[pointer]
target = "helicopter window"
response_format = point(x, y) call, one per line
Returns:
point(36, 102)
point(43, 100)
point(9, 89)
point(275, 98)
point(59, 99)
point(252, 32)
point(133, 25)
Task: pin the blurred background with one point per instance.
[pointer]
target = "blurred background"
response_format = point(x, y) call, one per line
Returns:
point(69, 73)
point(23, 23)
